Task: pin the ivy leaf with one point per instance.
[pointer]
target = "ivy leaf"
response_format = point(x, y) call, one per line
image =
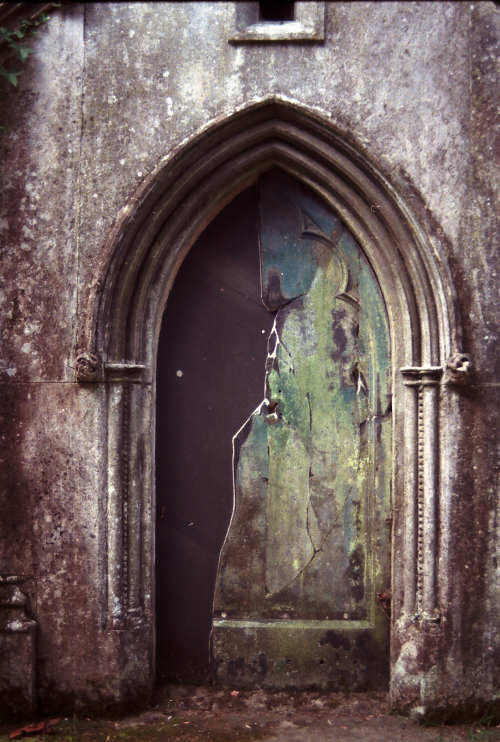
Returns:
point(26, 28)
point(6, 34)
point(23, 52)
point(11, 75)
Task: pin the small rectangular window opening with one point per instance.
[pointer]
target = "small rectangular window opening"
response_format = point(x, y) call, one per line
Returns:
point(276, 11)
point(278, 22)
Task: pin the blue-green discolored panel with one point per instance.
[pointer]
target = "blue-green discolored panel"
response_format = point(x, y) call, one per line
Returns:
point(297, 236)
point(308, 547)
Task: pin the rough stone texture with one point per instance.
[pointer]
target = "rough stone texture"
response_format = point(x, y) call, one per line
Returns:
point(402, 94)
point(473, 643)
point(17, 648)
point(113, 89)
point(38, 227)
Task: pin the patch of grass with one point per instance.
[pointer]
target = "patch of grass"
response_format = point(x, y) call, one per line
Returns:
point(483, 735)
point(481, 731)
point(199, 730)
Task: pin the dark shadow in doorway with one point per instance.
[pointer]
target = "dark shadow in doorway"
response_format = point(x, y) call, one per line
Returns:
point(211, 355)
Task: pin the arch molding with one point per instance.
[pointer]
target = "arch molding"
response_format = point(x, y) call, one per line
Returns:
point(119, 336)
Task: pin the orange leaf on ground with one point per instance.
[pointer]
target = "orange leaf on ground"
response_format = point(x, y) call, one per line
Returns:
point(31, 730)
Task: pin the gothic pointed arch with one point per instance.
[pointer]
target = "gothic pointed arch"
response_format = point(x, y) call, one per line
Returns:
point(163, 218)
point(119, 334)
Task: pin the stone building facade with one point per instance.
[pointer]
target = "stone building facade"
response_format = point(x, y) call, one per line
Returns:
point(132, 127)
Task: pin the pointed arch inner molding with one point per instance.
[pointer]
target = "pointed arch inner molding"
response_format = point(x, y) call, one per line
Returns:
point(120, 330)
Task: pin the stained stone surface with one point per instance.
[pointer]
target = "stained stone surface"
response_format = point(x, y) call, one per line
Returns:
point(112, 91)
point(309, 507)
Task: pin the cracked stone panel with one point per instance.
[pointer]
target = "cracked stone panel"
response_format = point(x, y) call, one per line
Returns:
point(309, 539)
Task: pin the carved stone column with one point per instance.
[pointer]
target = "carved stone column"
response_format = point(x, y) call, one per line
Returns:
point(125, 494)
point(127, 509)
point(412, 384)
point(429, 444)
point(421, 477)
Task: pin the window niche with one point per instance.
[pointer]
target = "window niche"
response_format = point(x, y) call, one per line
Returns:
point(278, 22)
point(276, 11)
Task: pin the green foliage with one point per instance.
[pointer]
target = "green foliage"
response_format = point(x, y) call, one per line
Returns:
point(16, 54)
point(11, 75)
point(23, 52)
point(483, 735)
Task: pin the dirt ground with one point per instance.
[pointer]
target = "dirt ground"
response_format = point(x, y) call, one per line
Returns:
point(204, 715)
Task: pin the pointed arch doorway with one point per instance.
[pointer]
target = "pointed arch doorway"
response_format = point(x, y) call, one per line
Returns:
point(117, 350)
point(282, 462)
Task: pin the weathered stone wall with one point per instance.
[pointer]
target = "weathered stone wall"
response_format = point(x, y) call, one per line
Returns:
point(114, 89)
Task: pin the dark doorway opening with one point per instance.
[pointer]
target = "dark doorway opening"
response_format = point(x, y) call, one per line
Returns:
point(211, 355)
point(307, 552)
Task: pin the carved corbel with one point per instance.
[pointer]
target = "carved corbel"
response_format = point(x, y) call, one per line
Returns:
point(458, 369)
point(87, 367)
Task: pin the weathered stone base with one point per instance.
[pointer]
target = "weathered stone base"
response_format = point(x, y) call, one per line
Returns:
point(297, 654)
point(17, 652)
